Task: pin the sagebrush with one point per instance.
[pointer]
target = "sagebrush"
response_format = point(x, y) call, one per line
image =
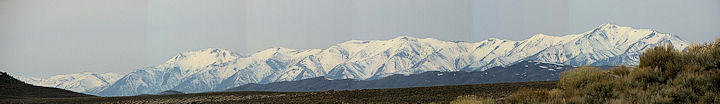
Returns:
point(664, 75)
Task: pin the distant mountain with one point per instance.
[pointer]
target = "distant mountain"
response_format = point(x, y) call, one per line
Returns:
point(11, 88)
point(195, 71)
point(520, 72)
point(219, 69)
point(170, 92)
point(85, 82)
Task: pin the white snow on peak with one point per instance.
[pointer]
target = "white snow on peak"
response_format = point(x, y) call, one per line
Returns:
point(496, 39)
point(612, 31)
point(203, 57)
point(608, 25)
point(539, 36)
point(84, 82)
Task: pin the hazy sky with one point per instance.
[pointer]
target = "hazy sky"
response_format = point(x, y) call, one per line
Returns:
point(47, 37)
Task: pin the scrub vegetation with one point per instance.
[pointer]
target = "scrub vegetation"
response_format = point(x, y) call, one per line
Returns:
point(664, 75)
point(437, 94)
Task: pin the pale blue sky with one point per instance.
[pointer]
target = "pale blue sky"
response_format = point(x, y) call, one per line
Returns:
point(48, 37)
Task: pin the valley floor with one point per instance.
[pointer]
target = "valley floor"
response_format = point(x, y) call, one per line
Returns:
point(438, 94)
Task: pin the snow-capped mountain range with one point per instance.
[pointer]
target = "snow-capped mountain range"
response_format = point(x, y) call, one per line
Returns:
point(220, 69)
point(85, 82)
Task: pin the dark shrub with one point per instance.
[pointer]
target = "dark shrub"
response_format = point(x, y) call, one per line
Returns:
point(647, 75)
point(600, 91)
point(579, 77)
point(527, 96)
point(659, 57)
point(619, 71)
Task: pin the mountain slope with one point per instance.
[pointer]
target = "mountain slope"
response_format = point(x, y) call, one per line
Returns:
point(524, 71)
point(188, 66)
point(607, 45)
point(85, 82)
point(11, 88)
point(218, 69)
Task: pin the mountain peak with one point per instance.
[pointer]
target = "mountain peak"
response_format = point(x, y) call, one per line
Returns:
point(618, 33)
point(215, 50)
point(540, 35)
point(275, 49)
point(355, 42)
point(279, 48)
point(270, 52)
point(496, 39)
point(608, 26)
point(203, 57)
point(208, 51)
point(406, 38)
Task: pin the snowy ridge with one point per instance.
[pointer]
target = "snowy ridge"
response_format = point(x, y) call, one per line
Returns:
point(202, 68)
point(219, 69)
point(85, 82)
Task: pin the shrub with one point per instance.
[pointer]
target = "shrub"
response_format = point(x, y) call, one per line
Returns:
point(619, 71)
point(706, 56)
point(472, 99)
point(714, 80)
point(659, 56)
point(579, 77)
point(646, 75)
point(710, 98)
point(527, 96)
point(665, 58)
point(600, 91)
point(689, 87)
